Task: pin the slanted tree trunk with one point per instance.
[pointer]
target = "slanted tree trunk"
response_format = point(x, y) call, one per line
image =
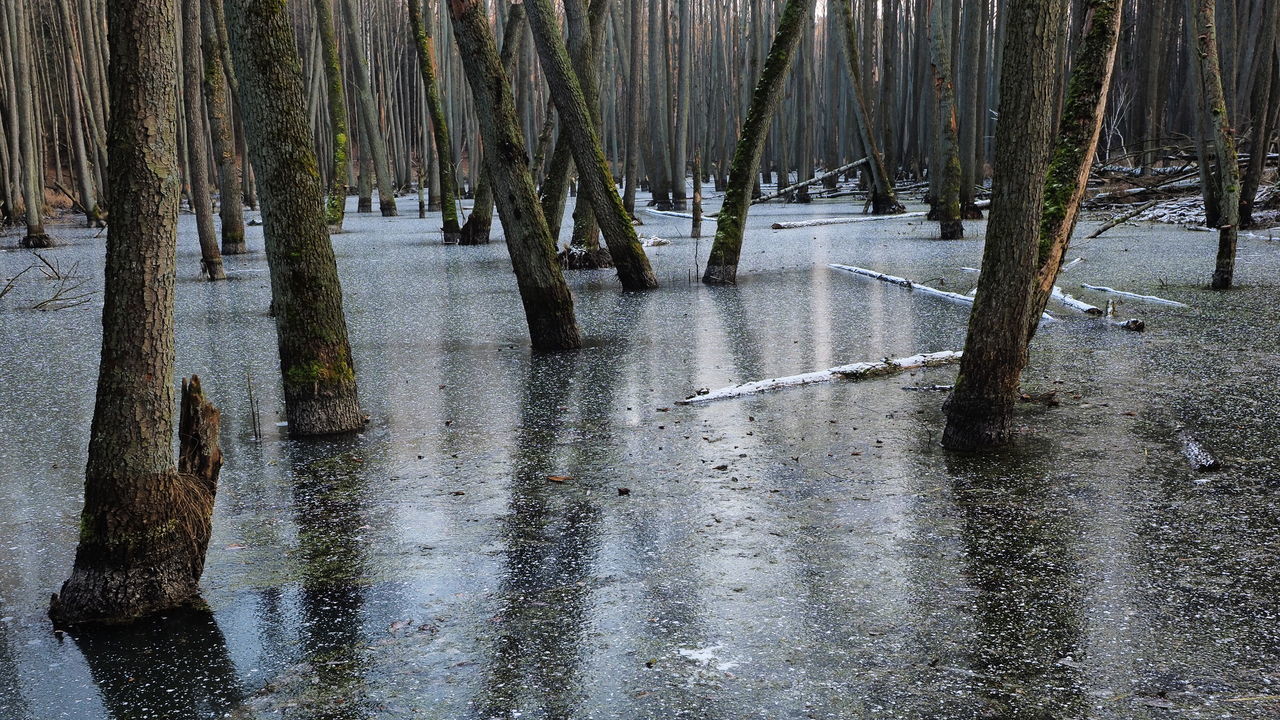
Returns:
point(980, 409)
point(374, 145)
point(548, 305)
point(722, 265)
point(593, 170)
point(221, 130)
point(197, 153)
point(1076, 144)
point(315, 356)
point(145, 524)
point(946, 206)
point(476, 230)
point(28, 131)
point(439, 126)
point(884, 200)
point(1224, 175)
point(340, 159)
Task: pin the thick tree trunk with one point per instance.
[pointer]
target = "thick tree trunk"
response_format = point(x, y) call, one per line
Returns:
point(722, 265)
point(222, 130)
point(980, 410)
point(315, 356)
point(593, 170)
point(548, 305)
point(374, 145)
point(1224, 175)
point(197, 144)
point(1076, 144)
point(422, 40)
point(340, 160)
point(145, 525)
point(946, 206)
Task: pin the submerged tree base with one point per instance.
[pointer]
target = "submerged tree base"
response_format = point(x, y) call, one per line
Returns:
point(37, 241)
point(951, 229)
point(574, 258)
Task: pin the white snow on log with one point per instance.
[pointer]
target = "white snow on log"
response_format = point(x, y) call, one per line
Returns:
point(851, 372)
point(842, 221)
point(1070, 265)
point(1135, 296)
point(913, 287)
point(654, 241)
point(672, 213)
point(1075, 304)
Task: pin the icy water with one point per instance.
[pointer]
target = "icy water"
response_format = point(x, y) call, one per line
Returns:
point(807, 553)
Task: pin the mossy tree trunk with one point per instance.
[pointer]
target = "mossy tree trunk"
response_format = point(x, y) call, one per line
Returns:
point(374, 145)
point(422, 40)
point(145, 524)
point(884, 200)
point(335, 206)
point(197, 143)
point(548, 305)
point(593, 169)
point(1076, 145)
point(221, 130)
point(980, 409)
point(315, 356)
point(586, 33)
point(1224, 172)
point(947, 209)
point(722, 265)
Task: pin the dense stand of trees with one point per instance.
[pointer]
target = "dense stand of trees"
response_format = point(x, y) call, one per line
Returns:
point(514, 105)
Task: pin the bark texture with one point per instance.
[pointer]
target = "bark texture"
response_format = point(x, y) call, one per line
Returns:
point(217, 99)
point(422, 40)
point(335, 204)
point(197, 143)
point(947, 209)
point(1224, 174)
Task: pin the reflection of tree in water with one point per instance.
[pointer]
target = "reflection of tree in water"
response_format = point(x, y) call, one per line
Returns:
point(170, 666)
point(1019, 545)
point(12, 702)
point(329, 499)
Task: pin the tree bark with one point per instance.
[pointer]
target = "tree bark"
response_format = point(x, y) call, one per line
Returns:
point(435, 108)
point(1224, 175)
point(980, 409)
point(593, 170)
point(375, 145)
point(340, 159)
point(145, 526)
point(722, 265)
point(884, 200)
point(548, 305)
point(315, 356)
point(946, 209)
point(197, 143)
point(221, 130)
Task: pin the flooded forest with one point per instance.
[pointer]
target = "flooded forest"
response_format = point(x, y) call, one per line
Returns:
point(639, 359)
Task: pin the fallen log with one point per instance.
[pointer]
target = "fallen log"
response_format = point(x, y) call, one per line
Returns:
point(914, 287)
point(672, 213)
point(856, 371)
point(843, 221)
point(1121, 218)
point(812, 181)
point(1070, 265)
point(1134, 296)
point(1074, 304)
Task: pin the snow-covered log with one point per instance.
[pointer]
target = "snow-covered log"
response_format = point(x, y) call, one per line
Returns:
point(843, 221)
point(1134, 296)
point(811, 181)
point(672, 213)
point(856, 371)
point(914, 287)
point(1074, 304)
point(1121, 218)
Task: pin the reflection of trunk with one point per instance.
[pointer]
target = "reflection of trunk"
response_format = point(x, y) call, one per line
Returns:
point(722, 266)
point(1077, 141)
point(221, 130)
point(946, 206)
point(584, 141)
point(315, 356)
point(336, 198)
point(444, 144)
point(980, 410)
point(476, 230)
point(374, 144)
point(884, 200)
point(547, 303)
point(1224, 175)
point(145, 523)
point(197, 153)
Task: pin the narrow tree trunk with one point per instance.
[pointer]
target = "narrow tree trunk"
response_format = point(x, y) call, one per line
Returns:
point(222, 130)
point(197, 144)
point(946, 209)
point(593, 170)
point(548, 304)
point(884, 200)
point(633, 106)
point(980, 409)
point(315, 356)
point(586, 31)
point(374, 145)
point(1224, 175)
point(722, 265)
point(145, 525)
point(1076, 144)
point(28, 131)
point(340, 160)
point(1263, 103)
point(435, 108)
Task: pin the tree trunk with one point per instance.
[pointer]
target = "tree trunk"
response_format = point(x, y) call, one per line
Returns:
point(145, 525)
point(980, 409)
point(340, 160)
point(1077, 142)
point(548, 304)
point(1224, 176)
point(439, 126)
point(946, 206)
point(722, 265)
point(884, 200)
point(374, 145)
point(315, 356)
point(586, 33)
point(28, 131)
point(636, 79)
point(197, 143)
point(593, 170)
point(222, 131)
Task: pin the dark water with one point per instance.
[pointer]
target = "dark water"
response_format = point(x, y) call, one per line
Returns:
point(840, 566)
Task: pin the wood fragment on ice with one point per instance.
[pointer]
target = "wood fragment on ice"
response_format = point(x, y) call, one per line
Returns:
point(1197, 454)
point(856, 371)
point(914, 287)
point(843, 221)
point(1134, 296)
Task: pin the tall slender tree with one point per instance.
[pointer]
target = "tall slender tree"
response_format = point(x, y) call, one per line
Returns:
point(425, 46)
point(946, 206)
point(374, 144)
point(335, 92)
point(197, 143)
point(221, 128)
